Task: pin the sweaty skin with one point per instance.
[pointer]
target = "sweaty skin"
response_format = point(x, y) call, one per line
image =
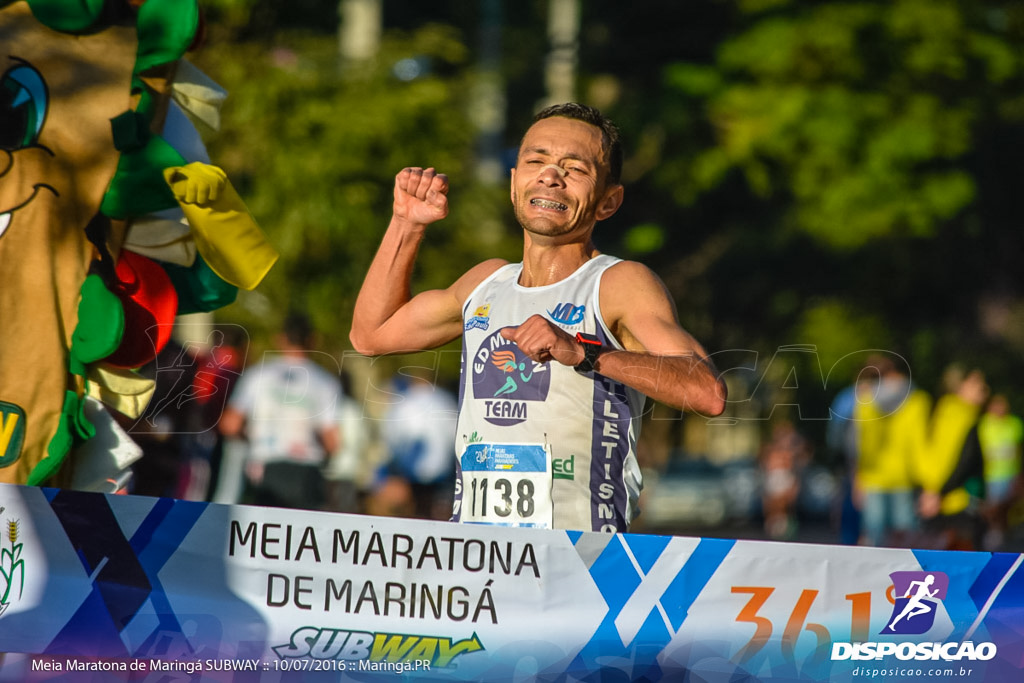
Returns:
point(559, 193)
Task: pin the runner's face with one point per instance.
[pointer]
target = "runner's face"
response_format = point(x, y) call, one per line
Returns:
point(559, 182)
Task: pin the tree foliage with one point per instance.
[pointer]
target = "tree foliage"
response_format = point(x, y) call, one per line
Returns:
point(862, 114)
point(314, 145)
point(856, 159)
point(839, 173)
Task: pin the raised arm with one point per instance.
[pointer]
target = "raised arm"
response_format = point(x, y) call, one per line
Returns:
point(387, 318)
point(661, 359)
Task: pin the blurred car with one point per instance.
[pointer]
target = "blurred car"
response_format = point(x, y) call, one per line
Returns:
point(819, 491)
point(694, 492)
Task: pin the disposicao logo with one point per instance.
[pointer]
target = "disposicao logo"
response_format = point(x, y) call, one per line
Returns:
point(918, 595)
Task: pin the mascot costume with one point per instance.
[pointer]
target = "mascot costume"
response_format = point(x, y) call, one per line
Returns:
point(112, 223)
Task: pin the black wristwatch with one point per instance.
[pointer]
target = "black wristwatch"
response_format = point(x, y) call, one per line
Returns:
point(591, 349)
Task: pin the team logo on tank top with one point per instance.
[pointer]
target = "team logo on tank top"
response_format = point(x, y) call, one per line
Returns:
point(505, 380)
point(568, 314)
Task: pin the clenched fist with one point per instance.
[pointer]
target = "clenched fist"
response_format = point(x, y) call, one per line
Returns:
point(421, 195)
point(542, 340)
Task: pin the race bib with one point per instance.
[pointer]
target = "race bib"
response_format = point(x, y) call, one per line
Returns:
point(507, 485)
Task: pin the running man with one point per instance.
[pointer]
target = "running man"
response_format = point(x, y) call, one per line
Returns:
point(598, 334)
point(915, 605)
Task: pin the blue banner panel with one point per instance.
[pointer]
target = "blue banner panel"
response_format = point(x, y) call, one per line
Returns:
point(98, 587)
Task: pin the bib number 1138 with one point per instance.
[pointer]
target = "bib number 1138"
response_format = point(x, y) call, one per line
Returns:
point(483, 492)
point(507, 484)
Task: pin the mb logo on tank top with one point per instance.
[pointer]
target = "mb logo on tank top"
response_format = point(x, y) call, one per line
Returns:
point(568, 314)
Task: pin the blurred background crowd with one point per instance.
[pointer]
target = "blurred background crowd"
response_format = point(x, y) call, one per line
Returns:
point(829, 190)
point(886, 462)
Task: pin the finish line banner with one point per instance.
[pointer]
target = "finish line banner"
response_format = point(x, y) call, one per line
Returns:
point(125, 588)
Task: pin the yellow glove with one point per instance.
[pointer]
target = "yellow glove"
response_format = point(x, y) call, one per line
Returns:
point(225, 233)
point(125, 391)
point(196, 183)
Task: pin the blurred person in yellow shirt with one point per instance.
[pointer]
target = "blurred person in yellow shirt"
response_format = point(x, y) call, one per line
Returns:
point(892, 416)
point(950, 469)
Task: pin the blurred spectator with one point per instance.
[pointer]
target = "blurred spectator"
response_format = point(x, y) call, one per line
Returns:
point(161, 429)
point(1000, 434)
point(892, 420)
point(218, 366)
point(783, 458)
point(286, 408)
point(842, 440)
point(343, 470)
point(391, 497)
point(229, 483)
point(419, 432)
point(951, 469)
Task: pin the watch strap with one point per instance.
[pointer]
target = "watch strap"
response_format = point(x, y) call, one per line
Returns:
point(592, 347)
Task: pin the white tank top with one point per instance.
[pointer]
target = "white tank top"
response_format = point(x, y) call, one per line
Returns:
point(527, 428)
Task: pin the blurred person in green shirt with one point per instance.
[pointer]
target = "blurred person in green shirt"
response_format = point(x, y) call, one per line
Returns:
point(1000, 434)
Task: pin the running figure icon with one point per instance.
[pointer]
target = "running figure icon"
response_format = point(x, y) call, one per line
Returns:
point(506, 360)
point(917, 591)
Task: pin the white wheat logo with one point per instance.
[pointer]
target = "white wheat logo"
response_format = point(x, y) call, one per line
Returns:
point(12, 567)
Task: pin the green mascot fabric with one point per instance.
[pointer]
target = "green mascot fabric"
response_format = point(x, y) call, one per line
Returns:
point(97, 335)
point(87, 85)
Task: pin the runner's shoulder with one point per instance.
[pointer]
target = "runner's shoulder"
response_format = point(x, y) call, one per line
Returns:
point(627, 280)
point(472, 278)
point(624, 271)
